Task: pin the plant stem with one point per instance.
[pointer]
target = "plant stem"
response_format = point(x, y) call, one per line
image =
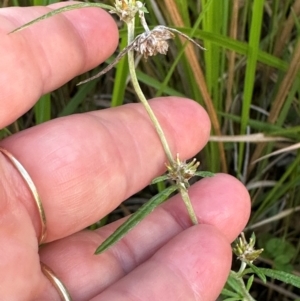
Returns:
point(243, 289)
point(242, 268)
point(188, 204)
point(139, 92)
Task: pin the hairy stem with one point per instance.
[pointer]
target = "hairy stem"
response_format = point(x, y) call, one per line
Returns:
point(244, 291)
point(242, 268)
point(188, 204)
point(141, 96)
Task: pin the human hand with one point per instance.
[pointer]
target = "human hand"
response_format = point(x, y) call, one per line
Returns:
point(85, 165)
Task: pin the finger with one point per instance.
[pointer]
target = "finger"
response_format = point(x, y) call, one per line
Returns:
point(220, 202)
point(19, 258)
point(46, 55)
point(192, 266)
point(85, 165)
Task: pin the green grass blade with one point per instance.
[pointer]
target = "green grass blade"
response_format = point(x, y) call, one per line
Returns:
point(39, 2)
point(239, 47)
point(4, 133)
point(184, 11)
point(121, 75)
point(190, 33)
point(62, 10)
point(255, 124)
point(43, 2)
point(42, 109)
point(283, 115)
point(253, 50)
point(281, 188)
point(135, 218)
point(212, 23)
point(154, 83)
point(161, 186)
point(77, 99)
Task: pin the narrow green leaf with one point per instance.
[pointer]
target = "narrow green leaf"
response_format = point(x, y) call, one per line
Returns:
point(228, 293)
point(62, 10)
point(282, 276)
point(234, 283)
point(258, 272)
point(160, 179)
point(135, 218)
point(249, 282)
point(233, 299)
point(204, 174)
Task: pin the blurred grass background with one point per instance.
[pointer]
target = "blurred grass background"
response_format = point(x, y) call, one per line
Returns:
point(248, 81)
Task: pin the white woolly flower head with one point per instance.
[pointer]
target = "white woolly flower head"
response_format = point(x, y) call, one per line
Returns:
point(153, 42)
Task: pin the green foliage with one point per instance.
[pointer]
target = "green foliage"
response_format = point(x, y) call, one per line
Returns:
point(42, 109)
point(135, 218)
point(249, 282)
point(252, 57)
point(260, 68)
point(202, 174)
point(282, 276)
point(121, 77)
point(258, 272)
point(235, 289)
point(4, 133)
point(281, 252)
